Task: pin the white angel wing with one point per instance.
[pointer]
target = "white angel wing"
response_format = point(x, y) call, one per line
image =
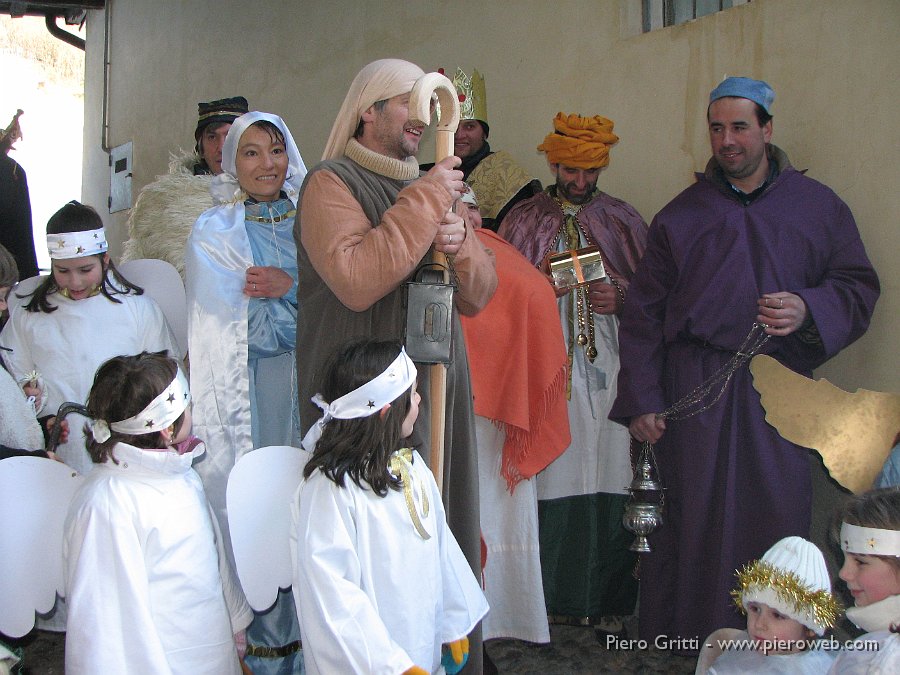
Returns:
point(34, 499)
point(260, 488)
point(161, 281)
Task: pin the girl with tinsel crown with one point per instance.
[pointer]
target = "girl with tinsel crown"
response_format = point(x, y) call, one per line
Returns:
point(380, 582)
point(870, 540)
point(82, 314)
point(148, 589)
point(787, 598)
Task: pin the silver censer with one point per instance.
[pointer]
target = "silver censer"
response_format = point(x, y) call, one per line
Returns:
point(644, 510)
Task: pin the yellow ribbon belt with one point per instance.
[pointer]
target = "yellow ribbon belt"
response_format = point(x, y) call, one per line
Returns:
point(401, 466)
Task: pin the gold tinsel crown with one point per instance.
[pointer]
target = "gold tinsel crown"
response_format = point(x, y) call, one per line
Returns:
point(790, 589)
point(473, 97)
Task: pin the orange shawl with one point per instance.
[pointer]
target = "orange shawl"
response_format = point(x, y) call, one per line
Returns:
point(517, 359)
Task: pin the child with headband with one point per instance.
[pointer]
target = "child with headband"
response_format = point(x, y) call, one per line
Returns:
point(379, 580)
point(84, 313)
point(787, 598)
point(870, 540)
point(147, 585)
point(19, 428)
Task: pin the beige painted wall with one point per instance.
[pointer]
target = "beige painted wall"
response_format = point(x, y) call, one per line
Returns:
point(831, 62)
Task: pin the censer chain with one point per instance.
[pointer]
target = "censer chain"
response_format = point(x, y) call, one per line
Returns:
point(686, 406)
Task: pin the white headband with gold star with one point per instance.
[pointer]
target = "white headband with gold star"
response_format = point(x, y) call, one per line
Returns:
point(76, 244)
point(366, 400)
point(869, 540)
point(159, 414)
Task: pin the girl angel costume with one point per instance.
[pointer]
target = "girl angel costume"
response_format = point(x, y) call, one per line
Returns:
point(878, 650)
point(65, 347)
point(143, 553)
point(134, 549)
point(380, 582)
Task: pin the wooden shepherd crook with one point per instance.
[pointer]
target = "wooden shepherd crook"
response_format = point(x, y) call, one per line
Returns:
point(445, 128)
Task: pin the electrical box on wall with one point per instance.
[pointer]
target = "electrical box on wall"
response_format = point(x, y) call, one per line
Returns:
point(120, 177)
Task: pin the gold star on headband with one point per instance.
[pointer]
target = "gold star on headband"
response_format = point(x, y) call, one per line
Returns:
point(149, 424)
point(79, 249)
point(370, 404)
point(96, 236)
point(871, 543)
point(61, 244)
point(171, 398)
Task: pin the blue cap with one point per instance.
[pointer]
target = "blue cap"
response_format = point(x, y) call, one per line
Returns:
point(744, 87)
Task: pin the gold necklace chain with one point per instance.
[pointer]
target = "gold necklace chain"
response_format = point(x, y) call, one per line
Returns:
point(580, 302)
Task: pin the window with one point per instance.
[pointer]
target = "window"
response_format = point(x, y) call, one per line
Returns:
point(663, 13)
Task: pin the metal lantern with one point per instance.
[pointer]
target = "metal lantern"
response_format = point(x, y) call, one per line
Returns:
point(643, 516)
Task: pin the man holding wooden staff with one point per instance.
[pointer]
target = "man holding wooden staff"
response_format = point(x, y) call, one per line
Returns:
point(367, 220)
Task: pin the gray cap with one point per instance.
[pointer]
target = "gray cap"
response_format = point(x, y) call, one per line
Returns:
point(743, 87)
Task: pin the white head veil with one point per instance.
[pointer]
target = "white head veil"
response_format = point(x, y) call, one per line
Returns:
point(225, 187)
point(379, 80)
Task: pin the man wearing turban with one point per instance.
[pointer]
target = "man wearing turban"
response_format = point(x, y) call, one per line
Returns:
point(752, 241)
point(367, 221)
point(587, 567)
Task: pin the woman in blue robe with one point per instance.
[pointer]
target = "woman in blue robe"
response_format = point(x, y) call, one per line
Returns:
point(241, 266)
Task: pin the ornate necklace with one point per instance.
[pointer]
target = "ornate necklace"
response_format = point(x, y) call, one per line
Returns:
point(580, 312)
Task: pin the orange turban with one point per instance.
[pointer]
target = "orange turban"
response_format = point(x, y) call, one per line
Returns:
point(580, 142)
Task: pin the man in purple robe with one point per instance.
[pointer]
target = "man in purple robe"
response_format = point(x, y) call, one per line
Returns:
point(753, 240)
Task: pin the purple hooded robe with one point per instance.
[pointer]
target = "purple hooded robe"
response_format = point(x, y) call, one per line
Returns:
point(733, 486)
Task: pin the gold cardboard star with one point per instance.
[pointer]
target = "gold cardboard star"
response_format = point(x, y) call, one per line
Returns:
point(853, 432)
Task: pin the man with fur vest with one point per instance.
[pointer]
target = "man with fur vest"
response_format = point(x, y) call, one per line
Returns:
point(166, 209)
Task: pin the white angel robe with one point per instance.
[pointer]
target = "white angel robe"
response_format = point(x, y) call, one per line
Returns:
point(68, 345)
point(147, 589)
point(813, 661)
point(19, 428)
point(372, 595)
point(878, 651)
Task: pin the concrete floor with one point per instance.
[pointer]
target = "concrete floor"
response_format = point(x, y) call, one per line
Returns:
point(572, 651)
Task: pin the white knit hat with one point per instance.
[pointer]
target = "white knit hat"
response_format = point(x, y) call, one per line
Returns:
point(791, 578)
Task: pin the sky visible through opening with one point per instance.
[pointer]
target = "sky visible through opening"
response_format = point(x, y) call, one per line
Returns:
point(44, 77)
